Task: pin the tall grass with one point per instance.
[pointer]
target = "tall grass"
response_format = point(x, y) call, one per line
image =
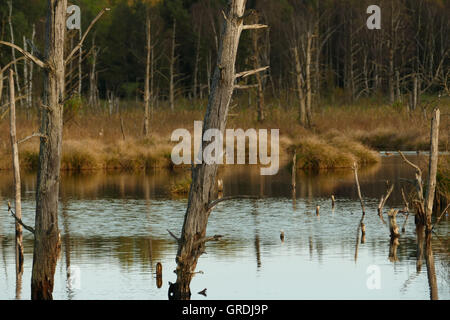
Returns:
point(340, 135)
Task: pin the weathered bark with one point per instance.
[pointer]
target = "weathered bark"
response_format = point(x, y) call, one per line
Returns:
point(47, 238)
point(432, 168)
point(16, 170)
point(193, 237)
point(147, 77)
point(431, 270)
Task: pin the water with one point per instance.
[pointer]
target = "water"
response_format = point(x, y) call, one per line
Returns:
point(114, 231)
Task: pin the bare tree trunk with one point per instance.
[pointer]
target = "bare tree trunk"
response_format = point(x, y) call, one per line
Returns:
point(147, 77)
point(391, 76)
point(431, 270)
point(299, 82)
point(25, 77)
point(47, 244)
point(256, 64)
point(197, 61)
point(93, 101)
point(308, 80)
point(172, 69)
point(30, 80)
point(1, 84)
point(16, 170)
point(191, 244)
point(13, 51)
point(432, 168)
point(415, 92)
point(397, 80)
point(80, 59)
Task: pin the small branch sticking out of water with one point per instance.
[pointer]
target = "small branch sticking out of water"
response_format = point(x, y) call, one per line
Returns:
point(355, 170)
point(173, 236)
point(19, 220)
point(384, 199)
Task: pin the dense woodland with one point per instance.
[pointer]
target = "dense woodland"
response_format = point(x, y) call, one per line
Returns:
point(316, 50)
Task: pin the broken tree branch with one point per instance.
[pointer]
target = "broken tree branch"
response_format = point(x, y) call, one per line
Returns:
point(250, 72)
point(384, 199)
point(355, 170)
point(217, 237)
point(36, 134)
point(28, 55)
point(173, 236)
point(18, 219)
point(254, 26)
point(80, 44)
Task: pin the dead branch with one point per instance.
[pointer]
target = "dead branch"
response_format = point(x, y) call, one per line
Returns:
point(19, 220)
point(384, 199)
point(250, 72)
point(440, 217)
point(254, 26)
point(217, 237)
point(78, 46)
point(28, 55)
point(355, 170)
point(36, 134)
point(173, 236)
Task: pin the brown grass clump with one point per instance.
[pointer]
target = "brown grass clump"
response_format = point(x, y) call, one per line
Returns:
point(339, 152)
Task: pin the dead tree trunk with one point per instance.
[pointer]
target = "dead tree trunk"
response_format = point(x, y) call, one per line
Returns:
point(13, 51)
point(308, 80)
point(256, 64)
point(191, 244)
point(299, 83)
point(16, 170)
point(47, 237)
point(80, 60)
point(30, 79)
point(432, 168)
point(147, 77)
point(197, 61)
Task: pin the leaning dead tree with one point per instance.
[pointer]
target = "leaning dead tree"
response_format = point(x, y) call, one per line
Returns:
point(424, 203)
point(191, 243)
point(46, 232)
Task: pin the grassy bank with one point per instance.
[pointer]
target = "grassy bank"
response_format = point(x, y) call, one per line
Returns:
point(93, 140)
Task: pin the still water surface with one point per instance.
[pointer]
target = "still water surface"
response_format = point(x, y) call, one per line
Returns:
point(113, 229)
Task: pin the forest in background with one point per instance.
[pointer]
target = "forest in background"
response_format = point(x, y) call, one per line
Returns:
point(333, 86)
point(320, 47)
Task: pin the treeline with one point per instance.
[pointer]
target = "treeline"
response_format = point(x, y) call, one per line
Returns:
point(315, 49)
